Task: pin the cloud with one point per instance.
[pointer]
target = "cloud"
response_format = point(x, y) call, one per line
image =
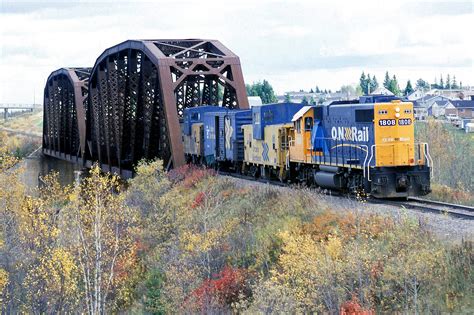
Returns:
point(290, 42)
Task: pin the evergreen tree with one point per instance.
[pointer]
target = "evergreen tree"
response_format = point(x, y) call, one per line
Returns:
point(312, 101)
point(373, 84)
point(448, 82)
point(455, 83)
point(305, 100)
point(317, 89)
point(386, 82)
point(311, 91)
point(435, 85)
point(460, 85)
point(408, 88)
point(363, 83)
point(329, 91)
point(393, 87)
point(287, 98)
point(368, 84)
point(441, 82)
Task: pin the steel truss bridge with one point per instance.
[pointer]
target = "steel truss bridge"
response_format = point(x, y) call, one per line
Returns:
point(127, 107)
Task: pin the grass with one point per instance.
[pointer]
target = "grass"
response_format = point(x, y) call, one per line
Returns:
point(27, 122)
point(452, 152)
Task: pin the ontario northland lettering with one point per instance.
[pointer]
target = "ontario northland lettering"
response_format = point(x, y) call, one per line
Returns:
point(350, 134)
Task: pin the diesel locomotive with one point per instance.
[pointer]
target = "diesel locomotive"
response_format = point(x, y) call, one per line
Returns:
point(363, 146)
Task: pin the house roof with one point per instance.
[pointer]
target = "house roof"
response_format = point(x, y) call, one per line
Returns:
point(301, 112)
point(254, 101)
point(429, 100)
point(426, 98)
point(382, 90)
point(442, 103)
point(463, 104)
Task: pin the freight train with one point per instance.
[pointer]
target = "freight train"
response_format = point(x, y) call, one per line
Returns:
point(362, 146)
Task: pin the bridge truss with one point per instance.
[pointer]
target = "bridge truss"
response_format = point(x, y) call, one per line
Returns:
point(65, 101)
point(133, 98)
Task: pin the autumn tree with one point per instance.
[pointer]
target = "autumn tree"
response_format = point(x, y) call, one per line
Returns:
point(104, 242)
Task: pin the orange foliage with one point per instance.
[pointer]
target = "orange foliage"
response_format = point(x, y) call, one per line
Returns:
point(377, 269)
point(346, 225)
point(189, 175)
point(125, 264)
point(198, 200)
point(224, 289)
point(353, 307)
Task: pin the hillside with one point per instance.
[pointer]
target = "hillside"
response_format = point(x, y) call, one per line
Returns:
point(192, 242)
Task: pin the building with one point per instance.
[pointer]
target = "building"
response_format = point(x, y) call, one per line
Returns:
point(420, 112)
point(416, 95)
point(382, 90)
point(454, 94)
point(254, 101)
point(439, 108)
point(427, 102)
point(465, 109)
point(318, 98)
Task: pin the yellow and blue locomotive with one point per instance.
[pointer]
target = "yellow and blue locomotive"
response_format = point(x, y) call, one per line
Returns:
point(365, 145)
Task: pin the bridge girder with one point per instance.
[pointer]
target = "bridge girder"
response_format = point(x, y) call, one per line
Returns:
point(65, 100)
point(138, 90)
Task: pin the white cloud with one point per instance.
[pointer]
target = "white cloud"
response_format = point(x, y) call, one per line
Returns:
point(294, 44)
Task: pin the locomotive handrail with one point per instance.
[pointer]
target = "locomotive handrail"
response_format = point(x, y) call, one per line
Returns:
point(426, 153)
point(370, 160)
point(365, 160)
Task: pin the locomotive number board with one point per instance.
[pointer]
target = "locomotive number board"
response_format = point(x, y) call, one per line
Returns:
point(393, 122)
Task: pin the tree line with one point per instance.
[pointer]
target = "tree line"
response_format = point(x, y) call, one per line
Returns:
point(368, 84)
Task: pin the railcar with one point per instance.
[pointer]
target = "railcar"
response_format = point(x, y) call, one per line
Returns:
point(365, 146)
point(266, 140)
point(213, 136)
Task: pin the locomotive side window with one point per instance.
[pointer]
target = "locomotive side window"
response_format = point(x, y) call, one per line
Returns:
point(298, 126)
point(308, 123)
point(364, 115)
point(256, 118)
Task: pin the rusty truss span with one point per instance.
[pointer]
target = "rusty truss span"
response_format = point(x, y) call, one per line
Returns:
point(65, 101)
point(134, 98)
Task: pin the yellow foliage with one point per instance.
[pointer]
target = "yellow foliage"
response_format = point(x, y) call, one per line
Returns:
point(55, 276)
point(3, 283)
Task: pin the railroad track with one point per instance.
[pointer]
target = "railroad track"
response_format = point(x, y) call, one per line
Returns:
point(431, 206)
point(419, 204)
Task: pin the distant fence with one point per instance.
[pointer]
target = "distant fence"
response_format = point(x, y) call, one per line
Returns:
point(20, 106)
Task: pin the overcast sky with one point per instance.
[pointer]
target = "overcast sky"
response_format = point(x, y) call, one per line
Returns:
point(294, 44)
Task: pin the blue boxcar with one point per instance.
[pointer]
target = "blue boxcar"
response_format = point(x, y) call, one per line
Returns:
point(272, 114)
point(223, 135)
point(194, 115)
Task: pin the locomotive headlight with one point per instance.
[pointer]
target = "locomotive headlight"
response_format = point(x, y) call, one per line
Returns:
point(397, 109)
point(397, 115)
